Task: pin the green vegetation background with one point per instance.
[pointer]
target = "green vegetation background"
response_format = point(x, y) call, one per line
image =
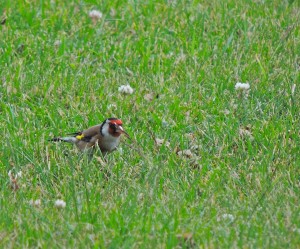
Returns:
point(60, 73)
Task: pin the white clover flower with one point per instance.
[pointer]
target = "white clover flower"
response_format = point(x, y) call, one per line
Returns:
point(127, 89)
point(60, 203)
point(95, 15)
point(13, 180)
point(10, 175)
point(242, 89)
point(149, 97)
point(242, 86)
point(19, 174)
point(57, 43)
point(164, 123)
point(226, 112)
point(185, 153)
point(195, 147)
point(246, 132)
point(89, 227)
point(112, 106)
point(160, 142)
point(35, 203)
point(296, 230)
point(228, 217)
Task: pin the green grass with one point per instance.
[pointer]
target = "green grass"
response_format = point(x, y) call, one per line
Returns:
point(239, 190)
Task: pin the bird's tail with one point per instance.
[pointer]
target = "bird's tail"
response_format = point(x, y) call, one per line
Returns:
point(63, 139)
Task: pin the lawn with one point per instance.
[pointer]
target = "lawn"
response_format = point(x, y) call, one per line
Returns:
point(209, 165)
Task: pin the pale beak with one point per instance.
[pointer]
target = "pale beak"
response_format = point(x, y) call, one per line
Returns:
point(121, 130)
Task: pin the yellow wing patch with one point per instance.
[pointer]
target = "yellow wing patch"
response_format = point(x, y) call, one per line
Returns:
point(79, 137)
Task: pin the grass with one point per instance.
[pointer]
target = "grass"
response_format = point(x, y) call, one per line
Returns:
point(60, 73)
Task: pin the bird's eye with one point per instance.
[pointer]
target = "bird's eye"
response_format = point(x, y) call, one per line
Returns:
point(112, 125)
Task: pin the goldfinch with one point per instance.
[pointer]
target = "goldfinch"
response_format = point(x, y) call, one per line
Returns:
point(106, 136)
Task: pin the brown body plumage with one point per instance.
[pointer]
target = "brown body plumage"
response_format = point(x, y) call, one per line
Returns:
point(106, 136)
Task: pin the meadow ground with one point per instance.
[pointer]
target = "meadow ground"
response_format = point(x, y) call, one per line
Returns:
point(225, 173)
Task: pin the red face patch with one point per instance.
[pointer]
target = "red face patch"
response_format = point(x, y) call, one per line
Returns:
point(117, 121)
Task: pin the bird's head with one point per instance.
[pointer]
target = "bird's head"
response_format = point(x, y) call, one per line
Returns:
point(113, 127)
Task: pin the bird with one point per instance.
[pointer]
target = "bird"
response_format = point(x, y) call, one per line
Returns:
point(106, 136)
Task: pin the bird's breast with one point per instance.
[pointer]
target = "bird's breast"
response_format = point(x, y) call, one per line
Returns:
point(109, 143)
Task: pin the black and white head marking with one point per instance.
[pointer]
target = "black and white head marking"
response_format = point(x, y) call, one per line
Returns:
point(106, 124)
